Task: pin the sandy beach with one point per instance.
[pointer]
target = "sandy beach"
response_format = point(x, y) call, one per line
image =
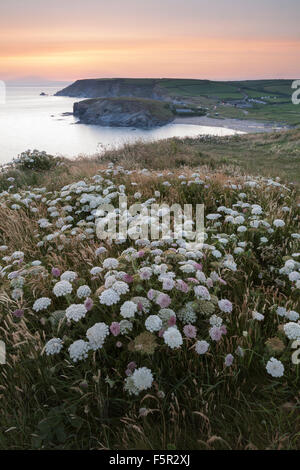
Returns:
point(235, 124)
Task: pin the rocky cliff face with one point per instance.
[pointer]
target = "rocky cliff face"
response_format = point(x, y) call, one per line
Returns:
point(123, 112)
point(115, 87)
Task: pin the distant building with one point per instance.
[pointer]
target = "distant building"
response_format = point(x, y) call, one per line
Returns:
point(184, 110)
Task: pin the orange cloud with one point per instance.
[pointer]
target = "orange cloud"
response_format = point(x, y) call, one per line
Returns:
point(201, 57)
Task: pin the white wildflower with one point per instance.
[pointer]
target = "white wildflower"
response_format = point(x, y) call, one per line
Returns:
point(41, 304)
point(97, 334)
point(83, 292)
point(257, 316)
point(201, 347)
point(109, 297)
point(292, 330)
point(79, 350)
point(275, 367)
point(53, 346)
point(110, 263)
point(62, 288)
point(120, 287)
point(142, 378)
point(69, 276)
point(153, 323)
point(76, 312)
point(172, 337)
point(128, 309)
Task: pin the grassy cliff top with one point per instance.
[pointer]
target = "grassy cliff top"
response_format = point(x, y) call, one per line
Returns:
point(271, 155)
point(272, 98)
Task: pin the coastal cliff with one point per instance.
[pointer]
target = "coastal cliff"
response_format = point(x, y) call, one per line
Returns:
point(123, 112)
point(115, 87)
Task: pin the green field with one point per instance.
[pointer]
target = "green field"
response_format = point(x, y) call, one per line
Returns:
point(277, 94)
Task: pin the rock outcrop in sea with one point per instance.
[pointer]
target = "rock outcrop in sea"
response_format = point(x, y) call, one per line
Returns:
point(123, 112)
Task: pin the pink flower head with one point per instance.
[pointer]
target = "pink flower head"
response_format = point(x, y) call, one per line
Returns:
point(229, 360)
point(140, 306)
point(172, 321)
point(55, 272)
point(223, 330)
point(163, 300)
point(128, 372)
point(225, 305)
point(168, 284)
point(141, 253)
point(151, 294)
point(119, 344)
point(131, 366)
point(193, 280)
point(18, 313)
point(215, 333)
point(88, 303)
point(209, 282)
point(115, 328)
point(128, 278)
point(198, 266)
point(202, 292)
point(190, 331)
point(182, 286)
point(161, 332)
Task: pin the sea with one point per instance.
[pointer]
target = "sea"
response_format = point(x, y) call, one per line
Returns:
point(31, 121)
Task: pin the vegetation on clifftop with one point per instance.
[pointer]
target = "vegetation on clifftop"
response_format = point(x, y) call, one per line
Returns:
point(179, 347)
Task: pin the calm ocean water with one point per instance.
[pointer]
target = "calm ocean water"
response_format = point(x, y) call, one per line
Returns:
point(31, 121)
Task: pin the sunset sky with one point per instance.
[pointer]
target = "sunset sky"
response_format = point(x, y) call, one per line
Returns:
point(216, 39)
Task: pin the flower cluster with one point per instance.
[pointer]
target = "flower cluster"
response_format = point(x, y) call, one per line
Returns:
point(164, 298)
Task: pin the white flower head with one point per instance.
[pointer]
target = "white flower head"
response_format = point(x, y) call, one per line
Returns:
point(173, 338)
point(275, 367)
point(292, 316)
point(292, 330)
point(62, 288)
point(281, 311)
point(110, 263)
point(53, 346)
point(97, 334)
point(76, 312)
point(153, 323)
point(279, 223)
point(79, 350)
point(142, 378)
point(201, 347)
point(257, 316)
point(128, 309)
point(68, 276)
point(109, 297)
point(41, 304)
point(83, 292)
point(120, 287)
